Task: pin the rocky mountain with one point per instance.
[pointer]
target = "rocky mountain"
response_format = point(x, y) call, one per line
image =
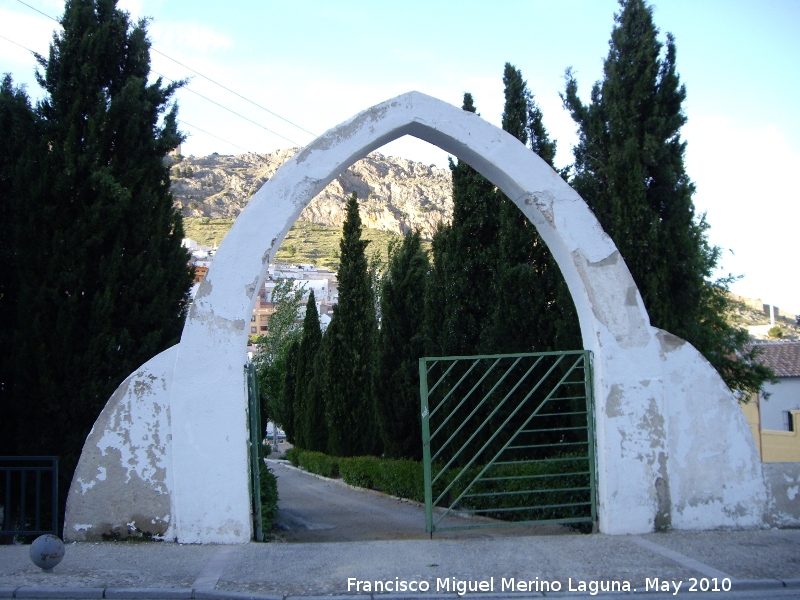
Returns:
point(396, 194)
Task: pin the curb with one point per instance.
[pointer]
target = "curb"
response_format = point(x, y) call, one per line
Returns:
point(206, 594)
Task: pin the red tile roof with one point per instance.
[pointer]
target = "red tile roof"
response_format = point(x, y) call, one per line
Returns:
point(781, 357)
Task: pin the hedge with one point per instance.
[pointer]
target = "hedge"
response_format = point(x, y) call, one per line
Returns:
point(530, 483)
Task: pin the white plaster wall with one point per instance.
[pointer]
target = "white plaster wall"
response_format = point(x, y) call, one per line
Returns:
point(784, 395)
point(716, 479)
point(122, 483)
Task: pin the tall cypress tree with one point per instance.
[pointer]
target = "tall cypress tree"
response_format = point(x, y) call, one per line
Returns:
point(21, 149)
point(310, 427)
point(401, 343)
point(533, 310)
point(629, 169)
point(465, 261)
point(104, 283)
point(350, 342)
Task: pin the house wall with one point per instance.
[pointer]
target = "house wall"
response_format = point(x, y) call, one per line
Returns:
point(783, 396)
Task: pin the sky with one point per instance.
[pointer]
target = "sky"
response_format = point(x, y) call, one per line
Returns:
point(302, 67)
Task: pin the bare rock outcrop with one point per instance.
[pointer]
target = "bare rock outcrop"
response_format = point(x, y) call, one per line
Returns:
point(396, 194)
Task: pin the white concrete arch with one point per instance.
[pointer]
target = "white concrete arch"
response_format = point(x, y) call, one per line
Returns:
point(656, 398)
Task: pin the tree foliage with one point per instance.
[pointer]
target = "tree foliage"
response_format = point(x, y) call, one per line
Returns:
point(100, 276)
point(272, 352)
point(350, 346)
point(401, 343)
point(465, 262)
point(533, 310)
point(629, 168)
point(311, 432)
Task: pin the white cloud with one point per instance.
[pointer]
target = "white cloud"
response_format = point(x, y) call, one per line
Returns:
point(187, 38)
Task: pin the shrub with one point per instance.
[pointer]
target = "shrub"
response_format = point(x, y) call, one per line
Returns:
point(402, 478)
point(360, 471)
point(319, 463)
point(293, 456)
point(513, 492)
point(269, 496)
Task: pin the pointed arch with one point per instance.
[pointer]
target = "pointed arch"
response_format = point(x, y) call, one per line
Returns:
point(645, 444)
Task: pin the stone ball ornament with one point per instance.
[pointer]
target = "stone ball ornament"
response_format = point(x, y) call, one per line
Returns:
point(47, 551)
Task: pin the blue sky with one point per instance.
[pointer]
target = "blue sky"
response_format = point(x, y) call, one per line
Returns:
point(318, 63)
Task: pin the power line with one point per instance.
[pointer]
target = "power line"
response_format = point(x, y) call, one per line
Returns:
point(188, 89)
point(204, 77)
point(20, 45)
point(40, 12)
point(235, 93)
point(179, 120)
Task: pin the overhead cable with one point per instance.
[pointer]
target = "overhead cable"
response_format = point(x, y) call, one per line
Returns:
point(209, 79)
point(188, 89)
point(235, 93)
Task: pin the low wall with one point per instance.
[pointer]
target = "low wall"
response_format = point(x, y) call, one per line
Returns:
point(783, 489)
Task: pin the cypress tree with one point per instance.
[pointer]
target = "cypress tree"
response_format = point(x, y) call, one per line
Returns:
point(533, 310)
point(629, 169)
point(401, 343)
point(465, 261)
point(310, 428)
point(350, 344)
point(104, 284)
point(21, 149)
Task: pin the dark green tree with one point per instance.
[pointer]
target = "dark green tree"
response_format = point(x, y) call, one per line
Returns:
point(533, 309)
point(401, 343)
point(288, 388)
point(104, 282)
point(21, 149)
point(465, 262)
point(350, 345)
point(310, 427)
point(629, 168)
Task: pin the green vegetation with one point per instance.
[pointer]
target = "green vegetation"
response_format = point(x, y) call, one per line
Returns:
point(629, 168)
point(97, 282)
point(526, 484)
point(310, 428)
point(269, 496)
point(464, 253)
point(350, 342)
point(306, 242)
point(401, 342)
point(533, 310)
point(208, 233)
point(276, 359)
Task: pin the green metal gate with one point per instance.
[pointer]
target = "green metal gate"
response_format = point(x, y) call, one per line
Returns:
point(509, 437)
point(256, 448)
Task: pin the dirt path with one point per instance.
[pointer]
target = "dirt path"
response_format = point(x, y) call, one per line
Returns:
point(312, 509)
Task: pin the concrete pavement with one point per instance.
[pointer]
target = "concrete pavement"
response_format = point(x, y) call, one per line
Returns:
point(497, 563)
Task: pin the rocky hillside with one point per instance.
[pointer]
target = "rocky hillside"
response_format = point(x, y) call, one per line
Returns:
point(396, 194)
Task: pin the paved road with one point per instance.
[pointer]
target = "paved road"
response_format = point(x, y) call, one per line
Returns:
point(314, 509)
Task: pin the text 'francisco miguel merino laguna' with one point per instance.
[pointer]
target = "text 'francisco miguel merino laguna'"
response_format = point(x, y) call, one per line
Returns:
point(506, 584)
